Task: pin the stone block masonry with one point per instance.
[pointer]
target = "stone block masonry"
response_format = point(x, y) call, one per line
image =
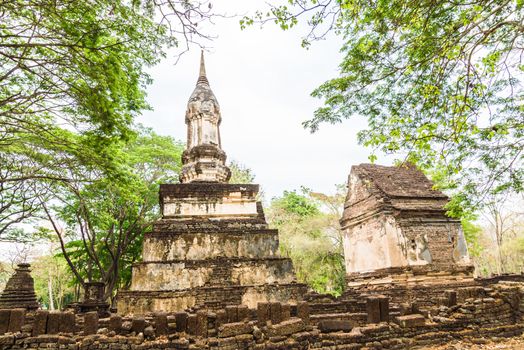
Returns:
point(496, 311)
point(396, 232)
point(216, 252)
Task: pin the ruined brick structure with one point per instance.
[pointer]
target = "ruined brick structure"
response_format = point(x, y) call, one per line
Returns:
point(93, 299)
point(212, 246)
point(396, 231)
point(19, 291)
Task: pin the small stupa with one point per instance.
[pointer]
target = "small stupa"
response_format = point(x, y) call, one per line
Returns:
point(19, 291)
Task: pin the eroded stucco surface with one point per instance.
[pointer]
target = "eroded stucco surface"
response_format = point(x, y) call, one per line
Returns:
point(199, 246)
point(218, 257)
point(393, 219)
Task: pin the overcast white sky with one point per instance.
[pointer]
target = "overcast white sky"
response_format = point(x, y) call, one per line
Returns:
point(262, 80)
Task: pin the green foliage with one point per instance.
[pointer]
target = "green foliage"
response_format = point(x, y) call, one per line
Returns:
point(297, 204)
point(472, 233)
point(81, 62)
point(439, 82)
point(53, 280)
point(104, 219)
point(310, 235)
point(519, 245)
point(240, 174)
point(72, 79)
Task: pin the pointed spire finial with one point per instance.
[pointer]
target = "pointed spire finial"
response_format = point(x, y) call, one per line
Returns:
point(202, 78)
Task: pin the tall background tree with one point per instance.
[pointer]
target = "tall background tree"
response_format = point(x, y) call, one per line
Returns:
point(72, 78)
point(54, 286)
point(100, 223)
point(440, 83)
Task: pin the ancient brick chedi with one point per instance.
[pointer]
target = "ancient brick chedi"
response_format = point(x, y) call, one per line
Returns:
point(396, 230)
point(212, 246)
point(19, 291)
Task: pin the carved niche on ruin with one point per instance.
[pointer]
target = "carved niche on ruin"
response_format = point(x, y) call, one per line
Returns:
point(395, 223)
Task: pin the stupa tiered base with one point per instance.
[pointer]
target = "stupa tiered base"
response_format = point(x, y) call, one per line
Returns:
point(212, 248)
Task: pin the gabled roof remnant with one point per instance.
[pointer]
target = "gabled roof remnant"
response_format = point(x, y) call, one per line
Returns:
point(398, 181)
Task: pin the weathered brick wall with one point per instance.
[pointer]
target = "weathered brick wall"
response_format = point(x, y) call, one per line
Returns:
point(426, 295)
point(498, 312)
point(440, 237)
point(393, 222)
point(212, 297)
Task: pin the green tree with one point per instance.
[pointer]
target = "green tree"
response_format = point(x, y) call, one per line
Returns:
point(31, 166)
point(240, 174)
point(472, 233)
point(310, 235)
point(100, 223)
point(72, 78)
point(474, 240)
point(54, 285)
point(440, 83)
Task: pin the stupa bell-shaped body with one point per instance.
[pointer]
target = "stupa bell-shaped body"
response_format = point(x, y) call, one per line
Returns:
point(203, 160)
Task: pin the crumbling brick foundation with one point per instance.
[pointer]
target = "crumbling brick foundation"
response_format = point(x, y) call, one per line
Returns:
point(372, 322)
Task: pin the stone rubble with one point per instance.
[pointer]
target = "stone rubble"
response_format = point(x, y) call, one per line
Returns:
point(491, 314)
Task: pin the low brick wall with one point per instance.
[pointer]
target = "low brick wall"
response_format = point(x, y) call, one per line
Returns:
point(498, 312)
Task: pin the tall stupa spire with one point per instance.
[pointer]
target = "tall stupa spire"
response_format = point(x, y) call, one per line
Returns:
point(202, 78)
point(203, 160)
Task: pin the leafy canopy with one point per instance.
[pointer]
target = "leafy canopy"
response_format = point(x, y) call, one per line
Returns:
point(100, 223)
point(72, 79)
point(440, 83)
point(75, 63)
point(309, 233)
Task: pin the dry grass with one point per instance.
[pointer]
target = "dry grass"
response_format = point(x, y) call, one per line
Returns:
point(516, 343)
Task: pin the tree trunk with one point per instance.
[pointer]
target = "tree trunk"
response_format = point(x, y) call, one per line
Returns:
point(50, 291)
